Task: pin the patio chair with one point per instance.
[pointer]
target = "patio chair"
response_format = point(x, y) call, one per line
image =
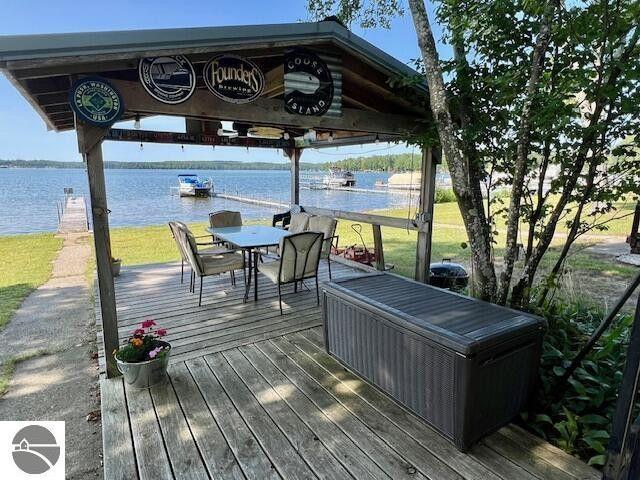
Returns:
point(299, 259)
point(281, 220)
point(299, 222)
point(326, 226)
point(225, 218)
point(175, 227)
point(210, 264)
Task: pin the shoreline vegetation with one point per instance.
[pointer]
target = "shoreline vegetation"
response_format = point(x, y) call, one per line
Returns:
point(379, 163)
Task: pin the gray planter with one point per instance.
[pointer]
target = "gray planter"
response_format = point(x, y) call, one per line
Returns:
point(145, 374)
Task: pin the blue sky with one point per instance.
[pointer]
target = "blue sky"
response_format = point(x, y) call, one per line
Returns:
point(24, 135)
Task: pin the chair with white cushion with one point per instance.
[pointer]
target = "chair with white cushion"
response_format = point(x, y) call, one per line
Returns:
point(204, 265)
point(326, 226)
point(212, 247)
point(299, 222)
point(299, 259)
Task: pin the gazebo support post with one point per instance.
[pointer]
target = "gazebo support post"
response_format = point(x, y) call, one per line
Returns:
point(430, 160)
point(294, 155)
point(90, 145)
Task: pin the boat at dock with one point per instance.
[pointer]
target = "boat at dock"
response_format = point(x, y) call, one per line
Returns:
point(339, 178)
point(190, 185)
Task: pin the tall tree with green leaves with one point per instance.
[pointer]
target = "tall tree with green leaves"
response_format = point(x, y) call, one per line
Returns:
point(540, 97)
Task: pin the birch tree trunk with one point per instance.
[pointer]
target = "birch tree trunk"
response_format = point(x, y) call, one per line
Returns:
point(522, 155)
point(473, 214)
point(520, 292)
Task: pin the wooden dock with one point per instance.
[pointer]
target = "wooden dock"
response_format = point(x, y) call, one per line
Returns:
point(72, 215)
point(252, 394)
point(252, 201)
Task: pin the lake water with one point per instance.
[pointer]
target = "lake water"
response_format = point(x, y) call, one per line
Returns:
point(143, 197)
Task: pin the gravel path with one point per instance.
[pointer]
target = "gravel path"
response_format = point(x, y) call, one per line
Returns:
point(62, 383)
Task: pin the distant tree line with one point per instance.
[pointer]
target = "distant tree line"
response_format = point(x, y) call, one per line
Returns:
point(169, 165)
point(397, 163)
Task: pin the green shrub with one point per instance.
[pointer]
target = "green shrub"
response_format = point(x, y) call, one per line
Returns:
point(444, 195)
point(578, 419)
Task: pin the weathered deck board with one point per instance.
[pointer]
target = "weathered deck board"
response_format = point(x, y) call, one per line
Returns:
point(303, 439)
point(247, 450)
point(118, 454)
point(207, 434)
point(223, 321)
point(186, 462)
point(252, 394)
point(414, 454)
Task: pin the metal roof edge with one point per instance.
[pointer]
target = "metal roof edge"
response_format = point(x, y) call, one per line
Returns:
point(41, 46)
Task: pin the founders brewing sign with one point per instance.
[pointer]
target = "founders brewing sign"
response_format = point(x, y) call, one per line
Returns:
point(308, 84)
point(233, 79)
point(95, 101)
point(167, 79)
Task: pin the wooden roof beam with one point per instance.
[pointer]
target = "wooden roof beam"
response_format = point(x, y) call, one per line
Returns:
point(263, 111)
point(75, 69)
point(59, 98)
point(361, 74)
point(274, 82)
point(56, 108)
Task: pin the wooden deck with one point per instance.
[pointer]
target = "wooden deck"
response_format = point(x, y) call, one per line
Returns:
point(253, 394)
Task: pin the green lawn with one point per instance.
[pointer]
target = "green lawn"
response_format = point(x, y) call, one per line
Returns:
point(448, 213)
point(25, 264)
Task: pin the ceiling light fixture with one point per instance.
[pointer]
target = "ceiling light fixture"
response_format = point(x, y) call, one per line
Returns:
point(377, 138)
point(136, 122)
point(330, 139)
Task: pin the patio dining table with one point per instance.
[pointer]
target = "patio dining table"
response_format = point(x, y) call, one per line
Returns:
point(250, 238)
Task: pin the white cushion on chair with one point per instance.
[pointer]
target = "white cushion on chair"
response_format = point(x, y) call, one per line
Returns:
point(299, 222)
point(213, 264)
point(270, 270)
point(326, 226)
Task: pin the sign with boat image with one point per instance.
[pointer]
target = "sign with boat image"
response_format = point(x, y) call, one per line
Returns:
point(308, 83)
point(169, 79)
point(233, 79)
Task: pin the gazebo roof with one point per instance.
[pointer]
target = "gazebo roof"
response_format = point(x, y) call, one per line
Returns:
point(42, 68)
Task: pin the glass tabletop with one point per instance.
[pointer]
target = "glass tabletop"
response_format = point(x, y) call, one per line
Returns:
point(250, 236)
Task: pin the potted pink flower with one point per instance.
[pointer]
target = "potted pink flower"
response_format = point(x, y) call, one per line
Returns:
point(143, 359)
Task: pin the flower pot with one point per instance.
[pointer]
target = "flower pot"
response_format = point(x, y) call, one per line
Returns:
point(115, 267)
point(148, 373)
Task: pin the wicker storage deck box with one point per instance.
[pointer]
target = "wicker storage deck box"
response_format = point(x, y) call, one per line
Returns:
point(466, 367)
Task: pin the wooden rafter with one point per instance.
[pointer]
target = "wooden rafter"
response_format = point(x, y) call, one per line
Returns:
point(263, 111)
